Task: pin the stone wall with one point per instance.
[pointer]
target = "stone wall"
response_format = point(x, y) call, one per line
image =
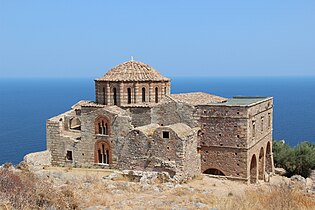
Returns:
point(82, 144)
point(140, 116)
point(170, 112)
point(154, 92)
point(233, 140)
point(148, 148)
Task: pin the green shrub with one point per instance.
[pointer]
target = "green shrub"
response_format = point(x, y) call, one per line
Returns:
point(295, 160)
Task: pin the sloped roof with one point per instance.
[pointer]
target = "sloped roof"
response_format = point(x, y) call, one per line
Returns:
point(198, 98)
point(133, 71)
point(148, 130)
point(181, 129)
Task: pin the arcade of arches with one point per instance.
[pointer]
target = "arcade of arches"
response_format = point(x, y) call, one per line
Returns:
point(261, 164)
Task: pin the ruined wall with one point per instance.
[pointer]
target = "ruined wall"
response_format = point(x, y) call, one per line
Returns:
point(176, 154)
point(54, 145)
point(82, 144)
point(135, 152)
point(140, 115)
point(192, 158)
point(171, 112)
point(119, 126)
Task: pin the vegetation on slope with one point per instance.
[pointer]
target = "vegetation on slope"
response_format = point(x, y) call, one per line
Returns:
point(295, 160)
point(22, 190)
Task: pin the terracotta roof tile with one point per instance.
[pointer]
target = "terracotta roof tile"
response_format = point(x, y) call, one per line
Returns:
point(133, 71)
point(198, 98)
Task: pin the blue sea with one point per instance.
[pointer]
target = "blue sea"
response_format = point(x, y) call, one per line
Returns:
point(26, 104)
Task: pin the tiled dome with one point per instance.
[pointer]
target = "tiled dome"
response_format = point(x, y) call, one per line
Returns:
point(133, 71)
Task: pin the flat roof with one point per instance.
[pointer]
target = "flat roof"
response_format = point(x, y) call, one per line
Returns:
point(245, 100)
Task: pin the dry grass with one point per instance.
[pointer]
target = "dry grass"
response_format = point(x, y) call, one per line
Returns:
point(25, 191)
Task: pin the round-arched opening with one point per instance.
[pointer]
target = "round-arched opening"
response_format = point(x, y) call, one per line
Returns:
point(143, 94)
point(156, 95)
point(129, 95)
point(214, 171)
point(253, 169)
point(261, 164)
point(268, 158)
point(102, 126)
point(103, 152)
point(115, 96)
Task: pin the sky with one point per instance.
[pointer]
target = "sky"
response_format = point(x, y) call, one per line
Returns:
point(57, 38)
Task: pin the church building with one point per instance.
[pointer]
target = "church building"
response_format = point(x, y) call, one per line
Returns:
point(136, 123)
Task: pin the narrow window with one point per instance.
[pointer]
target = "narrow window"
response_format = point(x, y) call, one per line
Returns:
point(99, 156)
point(115, 96)
point(143, 94)
point(166, 135)
point(99, 128)
point(129, 95)
point(254, 128)
point(104, 95)
point(69, 155)
point(106, 129)
point(103, 154)
point(269, 120)
point(156, 95)
point(262, 124)
point(107, 157)
point(165, 90)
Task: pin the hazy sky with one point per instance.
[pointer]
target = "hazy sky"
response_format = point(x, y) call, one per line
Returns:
point(76, 38)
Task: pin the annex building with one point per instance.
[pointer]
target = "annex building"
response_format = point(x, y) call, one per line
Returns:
point(137, 124)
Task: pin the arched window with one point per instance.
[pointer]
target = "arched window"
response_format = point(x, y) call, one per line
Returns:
point(165, 90)
point(156, 95)
point(101, 126)
point(115, 96)
point(102, 152)
point(143, 94)
point(104, 95)
point(129, 95)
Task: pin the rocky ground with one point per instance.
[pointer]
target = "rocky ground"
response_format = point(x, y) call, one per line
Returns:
point(93, 189)
point(108, 189)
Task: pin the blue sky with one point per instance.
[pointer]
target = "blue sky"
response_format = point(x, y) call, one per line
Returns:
point(178, 38)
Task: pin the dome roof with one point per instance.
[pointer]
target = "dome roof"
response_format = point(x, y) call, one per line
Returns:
point(133, 71)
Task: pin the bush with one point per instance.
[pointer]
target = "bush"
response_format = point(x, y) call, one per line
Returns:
point(25, 191)
point(295, 160)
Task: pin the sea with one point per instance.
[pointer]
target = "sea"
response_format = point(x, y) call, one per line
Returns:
point(26, 104)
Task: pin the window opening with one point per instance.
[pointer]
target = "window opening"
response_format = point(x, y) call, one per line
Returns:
point(143, 94)
point(104, 95)
point(254, 129)
point(115, 96)
point(129, 95)
point(156, 95)
point(69, 155)
point(166, 135)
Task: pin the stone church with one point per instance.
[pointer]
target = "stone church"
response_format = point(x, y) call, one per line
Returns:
point(137, 124)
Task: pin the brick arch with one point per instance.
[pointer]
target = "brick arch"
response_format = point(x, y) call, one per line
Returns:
point(102, 125)
point(261, 164)
point(268, 158)
point(103, 152)
point(253, 169)
point(214, 171)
